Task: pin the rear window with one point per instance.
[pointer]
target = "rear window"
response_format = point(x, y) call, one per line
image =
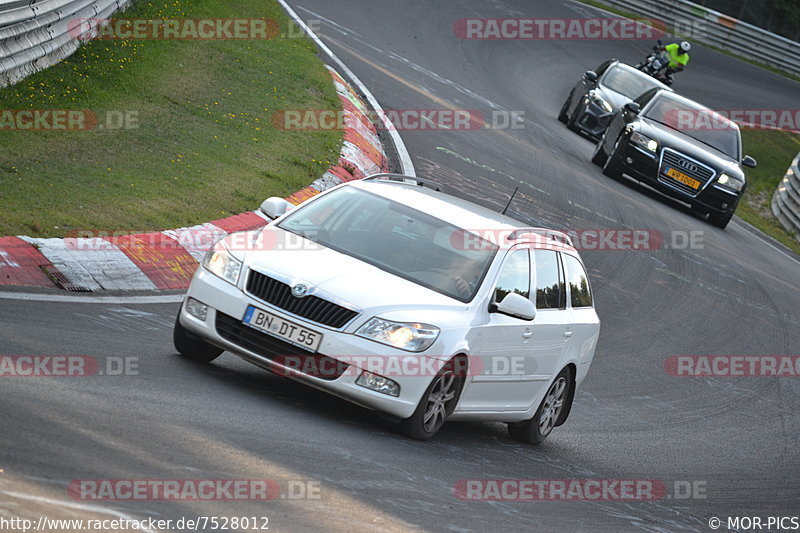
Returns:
point(548, 281)
point(579, 292)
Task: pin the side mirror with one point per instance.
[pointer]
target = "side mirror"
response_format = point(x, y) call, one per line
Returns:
point(275, 207)
point(749, 161)
point(590, 75)
point(517, 306)
point(633, 107)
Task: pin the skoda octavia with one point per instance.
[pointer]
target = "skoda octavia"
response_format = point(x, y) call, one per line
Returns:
point(405, 300)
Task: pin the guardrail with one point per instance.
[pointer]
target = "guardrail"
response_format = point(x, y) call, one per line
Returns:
point(717, 29)
point(35, 34)
point(786, 200)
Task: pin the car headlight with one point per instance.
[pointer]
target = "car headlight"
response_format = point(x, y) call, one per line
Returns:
point(413, 337)
point(600, 102)
point(729, 182)
point(644, 142)
point(220, 263)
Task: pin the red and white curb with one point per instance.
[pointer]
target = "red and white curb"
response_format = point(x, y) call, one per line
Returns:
point(167, 259)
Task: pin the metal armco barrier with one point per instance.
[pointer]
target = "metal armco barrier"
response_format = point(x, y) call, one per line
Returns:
point(35, 34)
point(716, 29)
point(786, 200)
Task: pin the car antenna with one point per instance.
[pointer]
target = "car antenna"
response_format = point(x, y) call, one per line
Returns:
point(503, 212)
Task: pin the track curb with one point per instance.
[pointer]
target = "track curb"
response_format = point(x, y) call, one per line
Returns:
point(167, 260)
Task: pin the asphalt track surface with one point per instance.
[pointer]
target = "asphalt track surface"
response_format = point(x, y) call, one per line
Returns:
point(735, 437)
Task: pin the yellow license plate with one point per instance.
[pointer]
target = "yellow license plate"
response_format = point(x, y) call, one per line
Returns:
point(683, 178)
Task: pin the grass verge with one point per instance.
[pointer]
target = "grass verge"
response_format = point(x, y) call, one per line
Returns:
point(199, 142)
point(774, 151)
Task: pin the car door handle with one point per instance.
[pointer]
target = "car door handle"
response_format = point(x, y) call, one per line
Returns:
point(527, 334)
point(568, 333)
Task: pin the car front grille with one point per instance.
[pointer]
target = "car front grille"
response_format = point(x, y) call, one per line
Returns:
point(698, 171)
point(310, 307)
point(279, 351)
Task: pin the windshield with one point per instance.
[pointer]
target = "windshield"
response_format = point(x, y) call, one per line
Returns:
point(697, 122)
point(395, 238)
point(628, 83)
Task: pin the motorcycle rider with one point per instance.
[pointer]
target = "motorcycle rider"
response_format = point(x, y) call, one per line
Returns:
point(678, 55)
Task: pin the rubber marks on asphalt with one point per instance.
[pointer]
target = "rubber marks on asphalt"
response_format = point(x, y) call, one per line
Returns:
point(168, 259)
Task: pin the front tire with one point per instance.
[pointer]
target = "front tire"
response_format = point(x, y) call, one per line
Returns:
point(572, 123)
point(720, 221)
point(192, 347)
point(562, 115)
point(612, 167)
point(538, 428)
point(438, 402)
point(599, 156)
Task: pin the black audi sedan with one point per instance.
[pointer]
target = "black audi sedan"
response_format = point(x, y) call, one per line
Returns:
point(600, 93)
point(679, 147)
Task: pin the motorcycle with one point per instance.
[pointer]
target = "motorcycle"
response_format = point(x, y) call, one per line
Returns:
point(657, 65)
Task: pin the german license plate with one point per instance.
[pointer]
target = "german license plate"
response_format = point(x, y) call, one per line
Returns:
point(283, 329)
point(683, 178)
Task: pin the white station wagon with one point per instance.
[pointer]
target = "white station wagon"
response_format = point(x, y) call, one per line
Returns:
point(405, 300)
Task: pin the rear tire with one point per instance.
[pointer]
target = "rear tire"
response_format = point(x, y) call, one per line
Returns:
point(191, 346)
point(538, 428)
point(720, 221)
point(438, 402)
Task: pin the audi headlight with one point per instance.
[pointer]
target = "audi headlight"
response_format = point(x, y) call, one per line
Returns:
point(644, 142)
point(600, 102)
point(220, 263)
point(729, 182)
point(413, 337)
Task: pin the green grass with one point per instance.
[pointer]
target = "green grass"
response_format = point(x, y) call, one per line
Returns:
point(671, 30)
point(774, 151)
point(204, 148)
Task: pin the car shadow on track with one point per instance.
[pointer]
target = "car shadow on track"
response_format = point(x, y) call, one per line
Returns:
point(273, 388)
point(644, 189)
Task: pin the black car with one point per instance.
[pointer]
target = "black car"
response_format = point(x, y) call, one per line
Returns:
point(680, 148)
point(600, 93)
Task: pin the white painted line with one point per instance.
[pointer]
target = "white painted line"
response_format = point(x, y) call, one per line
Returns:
point(86, 299)
point(407, 167)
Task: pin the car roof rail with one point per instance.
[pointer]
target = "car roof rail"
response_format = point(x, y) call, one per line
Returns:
point(402, 178)
point(555, 235)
